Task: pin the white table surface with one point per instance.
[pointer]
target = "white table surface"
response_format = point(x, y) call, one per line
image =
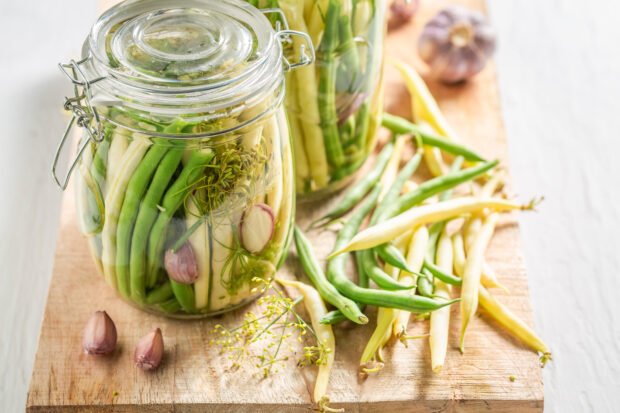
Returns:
point(559, 68)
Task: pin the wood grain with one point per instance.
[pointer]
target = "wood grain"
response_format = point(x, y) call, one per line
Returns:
point(195, 378)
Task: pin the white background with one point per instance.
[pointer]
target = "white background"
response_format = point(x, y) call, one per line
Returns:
point(559, 68)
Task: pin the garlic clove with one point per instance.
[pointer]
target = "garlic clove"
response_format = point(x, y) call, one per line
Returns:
point(181, 264)
point(99, 335)
point(256, 228)
point(483, 33)
point(400, 12)
point(149, 351)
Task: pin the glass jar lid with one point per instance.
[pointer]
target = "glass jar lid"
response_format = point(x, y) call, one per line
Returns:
point(200, 59)
point(175, 46)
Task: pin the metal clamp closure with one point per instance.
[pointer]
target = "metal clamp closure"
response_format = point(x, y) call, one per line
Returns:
point(306, 49)
point(285, 35)
point(83, 113)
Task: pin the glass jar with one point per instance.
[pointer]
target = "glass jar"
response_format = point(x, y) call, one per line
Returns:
point(334, 105)
point(185, 185)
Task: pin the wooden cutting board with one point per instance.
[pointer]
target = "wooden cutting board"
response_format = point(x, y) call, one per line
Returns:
point(195, 378)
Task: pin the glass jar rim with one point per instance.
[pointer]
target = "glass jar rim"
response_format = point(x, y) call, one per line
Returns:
point(246, 74)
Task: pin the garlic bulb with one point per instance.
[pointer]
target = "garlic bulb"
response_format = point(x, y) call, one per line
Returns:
point(456, 43)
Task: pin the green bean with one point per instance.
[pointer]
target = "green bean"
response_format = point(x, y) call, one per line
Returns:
point(173, 199)
point(361, 188)
point(348, 70)
point(170, 306)
point(159, 294)
point(457, 163)
point(374, 38)
point(116, 189)
point(382, 298)
point(338, 263)
point(390, 299)
point(94, 218)
point(144, 222)
point(336, 316)
point(381, 213)
point(370, 79)
point(329, 293)
point(425, 285)
point(346, 129)
point(184, 293)
point(362, 123)
point(392, 255)
point(348, 170)
point(273, 17)
point(440, 274)
point(368, 257)
point(435, 229)
point(136, 188)
point(434, 232)
point(100, 159)
point(333, 317)
point(380, 277)
point(327, 86)
point(402, 126)
point(437, 185)
point(94, 178)
point(362, 277)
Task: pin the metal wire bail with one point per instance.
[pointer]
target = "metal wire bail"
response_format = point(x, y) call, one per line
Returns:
point(84, 114)
point(284, 34)
point(306, 50)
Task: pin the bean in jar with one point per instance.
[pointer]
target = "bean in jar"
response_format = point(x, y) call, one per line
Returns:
point(335, 103)
point(185, 185)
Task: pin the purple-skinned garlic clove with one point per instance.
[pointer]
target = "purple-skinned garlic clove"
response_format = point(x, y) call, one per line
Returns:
point(181, 264)
point(149, 350)
point(400, 12)
point(99, 335)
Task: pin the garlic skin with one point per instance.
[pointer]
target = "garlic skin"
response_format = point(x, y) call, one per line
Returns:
point(149, 351)
point(456, 44)
point(181, 265)
point(99, 335)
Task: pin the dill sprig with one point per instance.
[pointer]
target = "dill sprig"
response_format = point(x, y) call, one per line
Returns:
point(265, 339)
point(231, 177)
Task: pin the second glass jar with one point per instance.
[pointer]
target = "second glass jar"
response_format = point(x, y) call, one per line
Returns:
point(333, 105)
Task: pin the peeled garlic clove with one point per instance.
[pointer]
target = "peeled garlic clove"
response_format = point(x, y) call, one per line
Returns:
point(257, 225)
point(181, 264)
point(149, 351)
point(456, 44)
point(99, 334)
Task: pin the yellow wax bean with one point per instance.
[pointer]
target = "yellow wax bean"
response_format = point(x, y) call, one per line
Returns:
point(325, 335)
point(512, 323)
point(472, 273)
point(424, 214)
point(440, 319)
